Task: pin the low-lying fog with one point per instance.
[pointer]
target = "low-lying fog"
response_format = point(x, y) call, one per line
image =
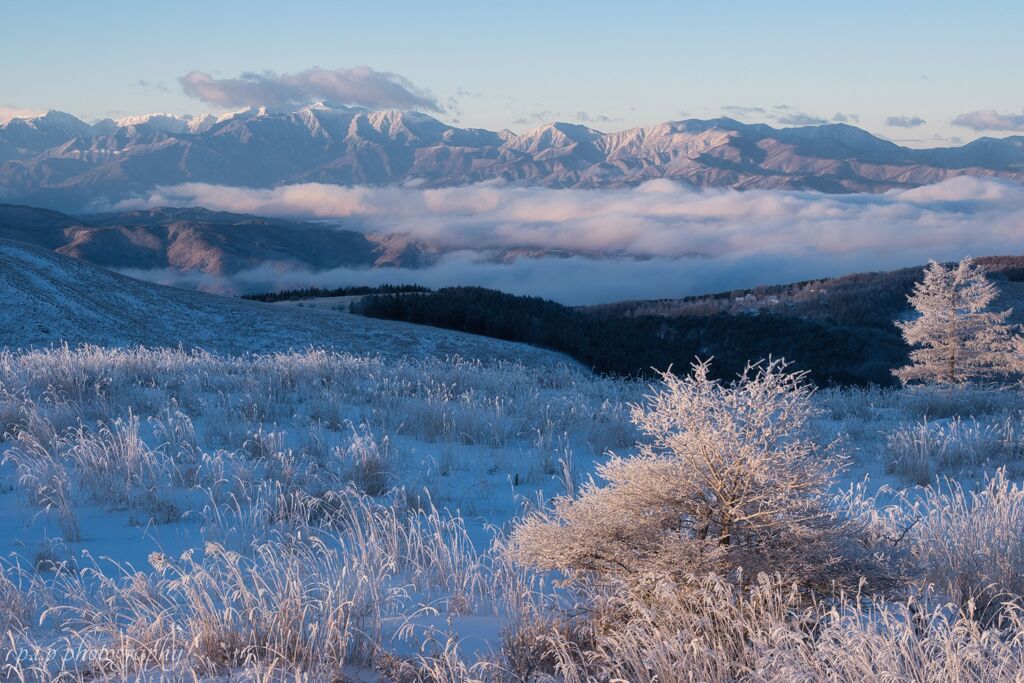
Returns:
point(656, 240)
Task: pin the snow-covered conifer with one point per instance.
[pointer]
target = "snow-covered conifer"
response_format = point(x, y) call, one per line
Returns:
point(957, 338)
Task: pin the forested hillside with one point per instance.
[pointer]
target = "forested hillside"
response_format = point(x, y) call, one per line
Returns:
point(835, 352)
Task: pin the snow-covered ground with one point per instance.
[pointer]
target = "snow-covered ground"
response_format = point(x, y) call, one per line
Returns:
point(378, 485)
point(123, 453)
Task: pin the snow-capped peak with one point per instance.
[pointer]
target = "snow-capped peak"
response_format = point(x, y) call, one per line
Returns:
point(52, 120)
point(147, 118)
point(557, 134)
point(165, 123)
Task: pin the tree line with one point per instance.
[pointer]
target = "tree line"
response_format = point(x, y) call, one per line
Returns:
point(833, 352)
point(321, 292)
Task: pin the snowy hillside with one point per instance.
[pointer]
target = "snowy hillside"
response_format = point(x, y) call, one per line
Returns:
point(49, 298)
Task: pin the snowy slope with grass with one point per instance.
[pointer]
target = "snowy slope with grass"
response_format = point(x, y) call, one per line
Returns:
point(358, 512)
point(49, 299)
point(340, 515)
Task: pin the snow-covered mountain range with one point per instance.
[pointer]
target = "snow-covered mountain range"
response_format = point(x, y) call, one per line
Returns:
point(59, 161)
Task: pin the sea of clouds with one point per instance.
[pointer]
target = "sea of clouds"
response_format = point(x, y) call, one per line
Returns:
point(659, 239)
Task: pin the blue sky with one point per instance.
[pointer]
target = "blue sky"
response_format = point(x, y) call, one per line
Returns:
point(496, 65)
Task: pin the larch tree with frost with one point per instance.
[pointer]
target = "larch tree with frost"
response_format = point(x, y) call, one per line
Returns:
point(727, 477)
point(957, 338)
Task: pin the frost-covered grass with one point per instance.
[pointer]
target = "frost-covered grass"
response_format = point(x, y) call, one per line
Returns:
point(318, 516)
point(923, 450)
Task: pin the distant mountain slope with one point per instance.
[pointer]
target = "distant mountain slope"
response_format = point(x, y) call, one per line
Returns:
point(49, 298)
point(59, 161)
point(206, 242)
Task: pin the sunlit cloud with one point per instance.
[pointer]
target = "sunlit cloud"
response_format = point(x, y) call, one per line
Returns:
point(989, 119)
point(355, 86)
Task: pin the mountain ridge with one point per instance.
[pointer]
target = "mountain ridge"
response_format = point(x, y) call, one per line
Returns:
point(58, 161)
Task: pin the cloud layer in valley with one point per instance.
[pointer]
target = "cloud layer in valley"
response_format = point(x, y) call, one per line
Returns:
point(656, 240)
point(359, 85)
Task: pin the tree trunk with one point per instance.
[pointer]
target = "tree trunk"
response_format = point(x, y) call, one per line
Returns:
point(952, 340)
point(725, 538)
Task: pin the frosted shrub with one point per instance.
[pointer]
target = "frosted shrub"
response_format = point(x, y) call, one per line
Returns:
point(718, 632)
point(714, 631)
point(728, 478)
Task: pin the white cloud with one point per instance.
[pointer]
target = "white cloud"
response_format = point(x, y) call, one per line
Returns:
point(356, 86)
point(659, 239)
point(990, 119)
point(904, 121)
point(800, 119)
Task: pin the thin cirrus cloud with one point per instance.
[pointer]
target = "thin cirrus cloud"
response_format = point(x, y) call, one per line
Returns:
point(786, 115)
point(840, 117)
point(904, 121)
point(740, 110)
point(990, 119)
point(656, 240)
point(585, 117)
point(802, 119)
point(353, 86)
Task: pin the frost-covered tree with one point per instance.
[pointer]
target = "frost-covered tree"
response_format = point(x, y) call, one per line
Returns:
point(957, 338)
point(727, 477)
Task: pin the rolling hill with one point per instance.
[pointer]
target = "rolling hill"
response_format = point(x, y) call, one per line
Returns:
point(50, 298)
